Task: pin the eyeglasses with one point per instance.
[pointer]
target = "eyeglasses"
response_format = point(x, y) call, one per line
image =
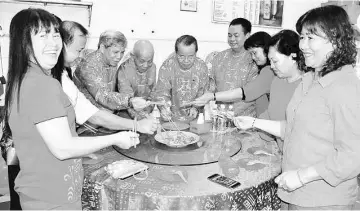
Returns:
point(183, 57)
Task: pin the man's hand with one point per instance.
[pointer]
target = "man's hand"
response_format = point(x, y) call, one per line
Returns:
point(148, 125)
point(166, 114)
point(139, 103)
point(193, 112)
point(204, 99)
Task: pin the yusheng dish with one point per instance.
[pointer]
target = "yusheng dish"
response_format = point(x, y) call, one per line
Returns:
point(180, 139)
point(177, 138)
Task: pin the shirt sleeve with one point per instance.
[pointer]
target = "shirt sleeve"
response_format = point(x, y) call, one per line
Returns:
point(204, 81)
point(211, 87)
point(44, 100)
point(260, 85)
point(162, 90)
point(253, 72)
point(124, 85)
point(343, 163)
point(92, 77)
point(84, 109)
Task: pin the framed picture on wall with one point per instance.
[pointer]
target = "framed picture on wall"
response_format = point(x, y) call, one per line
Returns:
point(263, 13)
point(271, 13)
point(188, 5)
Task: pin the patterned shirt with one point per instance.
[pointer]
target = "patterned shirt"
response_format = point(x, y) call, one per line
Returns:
point(180, 86)
point(132, 82)
point(97, 80)
point(230, 72)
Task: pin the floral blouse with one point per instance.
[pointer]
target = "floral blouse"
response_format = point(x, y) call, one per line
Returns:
point(97, 80)
point(230, 72)
point(180, 86)
point(132, 82)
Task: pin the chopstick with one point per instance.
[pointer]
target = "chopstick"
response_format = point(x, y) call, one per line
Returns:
point(135, 128)
point(89, 127)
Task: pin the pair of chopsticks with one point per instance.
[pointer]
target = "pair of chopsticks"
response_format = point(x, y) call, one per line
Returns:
point(135, 128)
point(91, 128)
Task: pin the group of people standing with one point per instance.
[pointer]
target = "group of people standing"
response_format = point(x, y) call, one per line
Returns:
point(301, 90)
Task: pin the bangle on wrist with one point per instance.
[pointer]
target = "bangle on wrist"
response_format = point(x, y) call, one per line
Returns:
point(214, 98)
point(243, 94)
point(298, 174)
point(252, 125)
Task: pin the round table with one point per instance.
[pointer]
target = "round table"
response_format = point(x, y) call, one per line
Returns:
point(196, 162)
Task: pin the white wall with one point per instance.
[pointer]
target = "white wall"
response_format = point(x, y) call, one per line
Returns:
point(164, 18)
point(161, 21)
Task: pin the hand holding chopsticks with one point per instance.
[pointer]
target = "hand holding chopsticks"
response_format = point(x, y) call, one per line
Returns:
point(135, 131)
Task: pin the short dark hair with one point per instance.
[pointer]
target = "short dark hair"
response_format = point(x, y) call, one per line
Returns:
point(287, 42)
point(67, 30)
point(258, 40)
point(186, 40)
point(246, 25)
point(334, 22)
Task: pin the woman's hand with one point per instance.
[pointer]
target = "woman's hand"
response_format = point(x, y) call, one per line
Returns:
point(244, 122)
point(148, 125)
point(205, 98)
point(289, 180)
point(126, 139)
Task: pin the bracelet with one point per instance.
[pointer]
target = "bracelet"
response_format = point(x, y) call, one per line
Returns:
point(297, 172)
point(214, 96)
point(243, 94)
point(253, 123)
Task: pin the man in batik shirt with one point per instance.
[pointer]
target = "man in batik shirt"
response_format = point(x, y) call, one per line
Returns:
point(234, 68)
point(97, 73)
point(182, 78)
point(137, 75)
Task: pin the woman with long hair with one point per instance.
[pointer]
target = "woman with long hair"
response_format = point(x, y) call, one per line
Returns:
point(42, 120)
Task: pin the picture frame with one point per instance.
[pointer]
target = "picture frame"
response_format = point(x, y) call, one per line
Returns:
point(261, 13)
point(188, 5)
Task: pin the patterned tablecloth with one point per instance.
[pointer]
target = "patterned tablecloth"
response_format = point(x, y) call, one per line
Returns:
point(257, 190)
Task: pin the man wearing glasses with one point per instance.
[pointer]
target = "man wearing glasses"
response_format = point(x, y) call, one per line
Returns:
point(182, 78)
point(137, 75)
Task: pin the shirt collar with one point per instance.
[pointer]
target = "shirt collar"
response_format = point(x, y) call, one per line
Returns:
point(332, 76)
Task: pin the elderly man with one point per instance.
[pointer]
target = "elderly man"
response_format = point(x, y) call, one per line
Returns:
point(96, 75)
point(182, 78)
point(137, 75)
point(74, 38)
point(234, 68)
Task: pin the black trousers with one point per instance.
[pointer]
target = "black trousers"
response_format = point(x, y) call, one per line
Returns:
point(13, 171)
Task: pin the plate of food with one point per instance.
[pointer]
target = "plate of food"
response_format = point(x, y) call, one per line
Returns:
point(175, 126)
point(177, 138)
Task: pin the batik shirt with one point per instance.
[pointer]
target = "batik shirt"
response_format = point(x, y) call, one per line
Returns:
point(97, 80)
point(180, 86)
point(132, 82)
point(231, 71)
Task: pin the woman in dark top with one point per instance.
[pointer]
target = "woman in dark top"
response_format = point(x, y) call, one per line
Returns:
point(258, 89)
point(42, 120)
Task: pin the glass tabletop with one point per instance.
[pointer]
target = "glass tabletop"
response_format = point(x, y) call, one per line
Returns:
point(207, 150)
